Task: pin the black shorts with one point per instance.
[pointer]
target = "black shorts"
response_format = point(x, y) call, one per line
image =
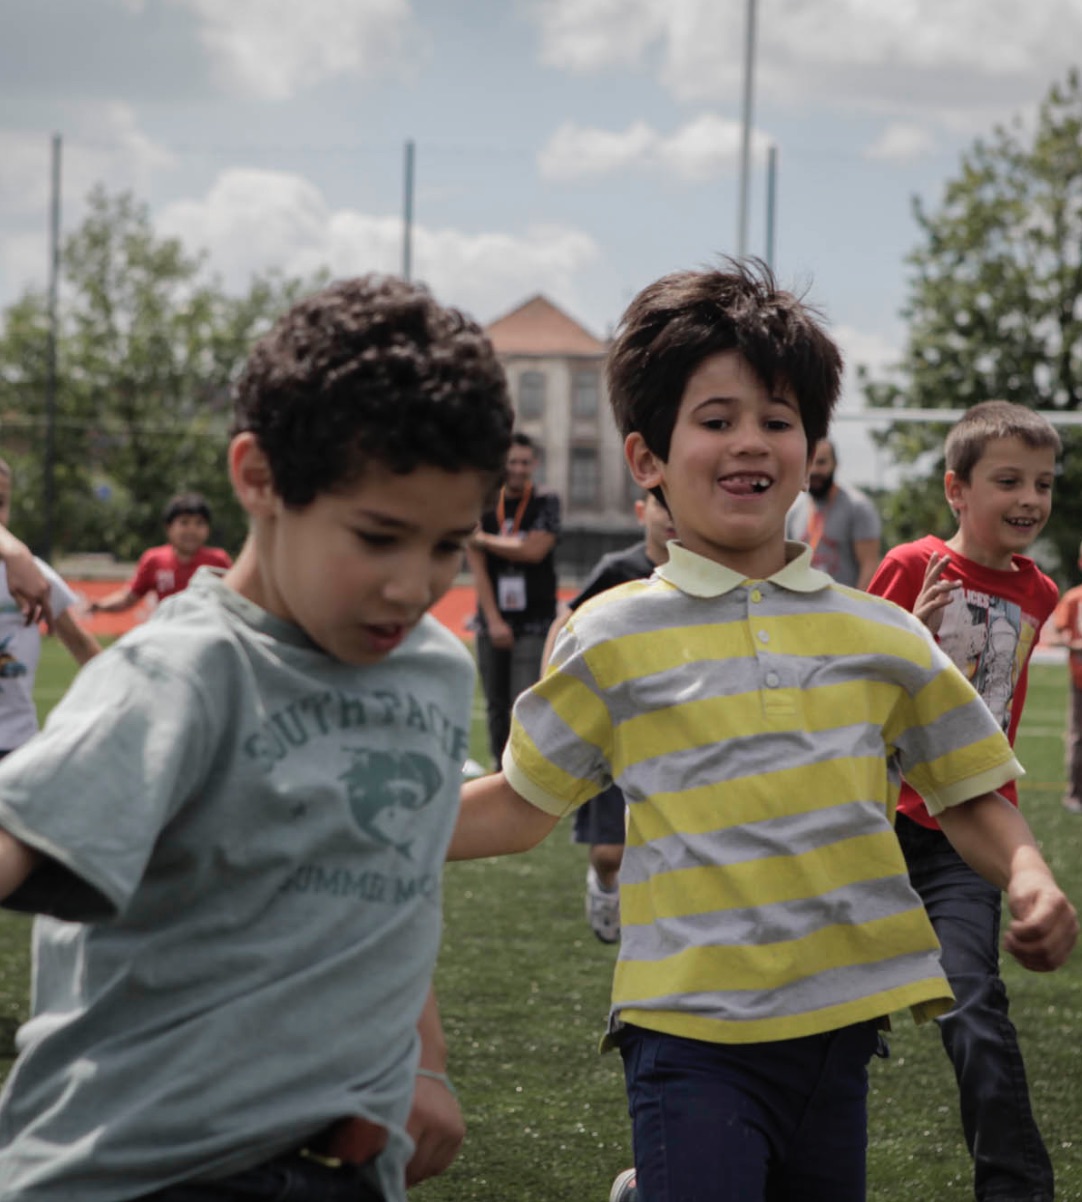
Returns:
point(601, 819)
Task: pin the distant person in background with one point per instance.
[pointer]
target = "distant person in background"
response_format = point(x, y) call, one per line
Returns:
point(20, 640)
point(167, 569)
point(1067, 620)
point(839, 523)
point(601, 821)
point(512, 558)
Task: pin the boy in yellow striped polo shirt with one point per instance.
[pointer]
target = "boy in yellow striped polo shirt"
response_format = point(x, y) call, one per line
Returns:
point(757, 717)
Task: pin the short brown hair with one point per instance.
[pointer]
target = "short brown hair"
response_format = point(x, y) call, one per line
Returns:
point(683, 318)
point(988, 422)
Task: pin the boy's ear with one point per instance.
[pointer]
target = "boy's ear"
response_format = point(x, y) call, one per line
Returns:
point(645, 466)
point(251, 476)
point(952, 489)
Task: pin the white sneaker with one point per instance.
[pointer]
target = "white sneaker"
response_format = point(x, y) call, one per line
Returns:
point(624, 1188)
point(602, 909)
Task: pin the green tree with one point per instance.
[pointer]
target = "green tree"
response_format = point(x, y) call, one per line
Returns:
point(995, 309)
point(148, 346)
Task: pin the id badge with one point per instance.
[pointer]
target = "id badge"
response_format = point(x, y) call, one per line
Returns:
point(511, 593)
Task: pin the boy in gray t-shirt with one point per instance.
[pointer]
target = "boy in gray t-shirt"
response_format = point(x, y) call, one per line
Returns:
point(233, 827)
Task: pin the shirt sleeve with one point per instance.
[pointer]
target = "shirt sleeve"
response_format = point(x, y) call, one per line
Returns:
point(61, 596)
point(944, 738)
point(896, 580)
point(143, 580)
point(866, 521)
point(548, 514)
point(119, 754)
point(559, 752)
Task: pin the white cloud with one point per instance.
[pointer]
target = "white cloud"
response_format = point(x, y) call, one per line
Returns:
point(901, 142)
point(106, 146)
point(272, 49)
point(860, 461)
point(251, 221)
point(959, 60)
point(698, 150)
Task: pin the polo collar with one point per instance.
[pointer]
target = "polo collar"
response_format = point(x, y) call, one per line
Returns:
point(700, 577)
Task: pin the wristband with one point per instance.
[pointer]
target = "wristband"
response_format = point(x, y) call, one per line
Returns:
point(442, 1078)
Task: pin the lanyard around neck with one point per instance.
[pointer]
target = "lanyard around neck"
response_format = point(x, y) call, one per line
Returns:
point(520, 512)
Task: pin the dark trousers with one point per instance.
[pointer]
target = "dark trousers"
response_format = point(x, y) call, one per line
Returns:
point(1009, 1156)
point(767, 1122)
point(290, 1178)
point(504, 675)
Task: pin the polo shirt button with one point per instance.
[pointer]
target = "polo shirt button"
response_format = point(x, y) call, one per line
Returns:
point(756, 595)
point(772, 680)
point(764, 637)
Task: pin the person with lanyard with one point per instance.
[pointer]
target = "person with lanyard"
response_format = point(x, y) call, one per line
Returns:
point(840, 524)
point(512, 558)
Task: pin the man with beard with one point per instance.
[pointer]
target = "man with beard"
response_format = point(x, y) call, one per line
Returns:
point(839, 523)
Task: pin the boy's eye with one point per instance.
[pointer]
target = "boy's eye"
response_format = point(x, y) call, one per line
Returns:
point(779, 423)
point(715, 423)
point(378, 541)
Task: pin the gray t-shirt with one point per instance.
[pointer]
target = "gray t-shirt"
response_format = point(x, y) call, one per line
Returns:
point(848, 517)
point(246, 838)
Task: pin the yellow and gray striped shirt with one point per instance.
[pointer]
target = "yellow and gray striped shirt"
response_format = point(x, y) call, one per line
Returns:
point(758, 730)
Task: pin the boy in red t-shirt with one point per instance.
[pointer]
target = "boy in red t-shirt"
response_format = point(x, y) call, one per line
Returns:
point(1067, 620)
point(986, 603)
point(168, 569)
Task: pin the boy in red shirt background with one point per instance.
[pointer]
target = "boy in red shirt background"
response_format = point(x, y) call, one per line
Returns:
point(167, 569)
point(985, 602)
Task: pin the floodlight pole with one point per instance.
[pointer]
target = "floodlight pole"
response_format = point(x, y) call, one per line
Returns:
point(771, 201)
point(745, 134)
point(49, 467)
point(407, 215)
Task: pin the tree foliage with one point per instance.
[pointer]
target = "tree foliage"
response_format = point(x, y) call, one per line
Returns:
point(148, 345)
point(995, 308)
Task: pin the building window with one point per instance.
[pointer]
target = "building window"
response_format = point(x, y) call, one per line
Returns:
point(584, 484)
point(531, 395)
point(585, 393)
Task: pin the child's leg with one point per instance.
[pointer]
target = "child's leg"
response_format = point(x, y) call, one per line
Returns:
point(494, 668)
point(776, 1122)
point(1073, 799)
point(1009, 1156)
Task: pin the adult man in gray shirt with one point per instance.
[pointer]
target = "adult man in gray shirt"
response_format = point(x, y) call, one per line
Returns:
point(839, 523)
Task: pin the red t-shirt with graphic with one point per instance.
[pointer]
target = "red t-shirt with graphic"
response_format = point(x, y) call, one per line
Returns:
point(989, 630)
point(161, 571)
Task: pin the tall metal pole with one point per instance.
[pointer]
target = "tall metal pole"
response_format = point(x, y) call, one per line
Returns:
point(407, 215)
point(49, 471)
point(771, 201)
point(745, 135)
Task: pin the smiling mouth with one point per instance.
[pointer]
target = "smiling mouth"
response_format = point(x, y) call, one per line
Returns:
point(746, 485)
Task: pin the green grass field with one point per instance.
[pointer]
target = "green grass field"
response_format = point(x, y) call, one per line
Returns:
point(523, 987)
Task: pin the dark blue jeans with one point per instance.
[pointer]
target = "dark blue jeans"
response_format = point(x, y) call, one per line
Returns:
point(504, 675)
point(290, 1178)
point(1009, 1156)
point(761, 1122)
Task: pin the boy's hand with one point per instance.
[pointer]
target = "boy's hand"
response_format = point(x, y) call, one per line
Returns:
point(501, 635)
point(1045, 924)
point(30, 589)
point(935, 593)
point(436, 1127)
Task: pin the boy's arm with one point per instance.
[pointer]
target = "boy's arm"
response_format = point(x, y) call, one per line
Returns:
point(114, 602)
point(435, 1125)
point(867, 553)
point(17, 861)
point(992, 837)
point(498, 630)
point(531, 548)
point(26, 581)
point(494, 820)
point(79, 641)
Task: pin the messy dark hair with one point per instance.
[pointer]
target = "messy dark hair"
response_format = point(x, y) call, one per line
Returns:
point(991, 420)
point(183, 503)
point(372, 370)
point(685, 317)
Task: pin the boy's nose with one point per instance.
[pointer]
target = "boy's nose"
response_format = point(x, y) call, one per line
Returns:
point(410, 590)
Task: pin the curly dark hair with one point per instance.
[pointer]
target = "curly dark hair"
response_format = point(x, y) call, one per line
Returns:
point(372, 370)
point(685, 317)
point(186, 503)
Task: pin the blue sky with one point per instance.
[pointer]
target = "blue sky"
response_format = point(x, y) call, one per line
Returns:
point(578, 148)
